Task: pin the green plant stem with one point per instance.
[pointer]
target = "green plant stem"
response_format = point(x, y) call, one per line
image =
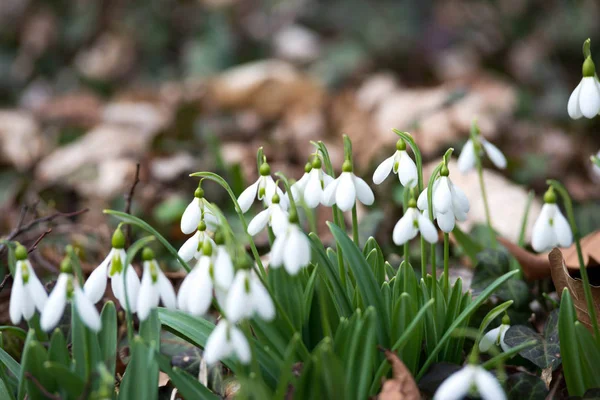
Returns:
point(271, 236)
point(446, 262)
point(486, 207)
point(423, 259)
point(311, 217)
point(418, 159)
point(582, 268)
point(355, 226)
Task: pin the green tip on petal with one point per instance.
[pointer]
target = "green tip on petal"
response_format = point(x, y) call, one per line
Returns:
point(308, 167)
point(265, 169)
point(147, 254)
point(400, 145)
point(219, 238)
point(118, 239)
point(588, 69)
point(201, 225)
point(207, 248)
point(275, 199)
point(21, 252)
point(293, 216)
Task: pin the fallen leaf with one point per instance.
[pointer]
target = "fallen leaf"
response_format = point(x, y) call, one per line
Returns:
point(402, 386)
point(163, 379)
point(21, 142)
point(562, 279)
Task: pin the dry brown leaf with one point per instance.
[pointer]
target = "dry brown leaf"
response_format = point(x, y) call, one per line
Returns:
point(562, 279)
point(536, 266)
point(402, 386)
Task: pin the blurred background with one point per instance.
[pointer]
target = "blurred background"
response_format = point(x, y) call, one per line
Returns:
point(89, 88)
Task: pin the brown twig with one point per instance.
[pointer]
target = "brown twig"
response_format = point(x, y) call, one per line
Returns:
point(3, 283)
point(38, 240)
point(128, 200)
point(41, 388)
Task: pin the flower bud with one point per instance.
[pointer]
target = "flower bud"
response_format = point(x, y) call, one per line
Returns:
point(588, 69)
point(147, 254)
point(265, 169)
point(20, 252)
point(118, 239)
point(400, 145)
point(550, 196)
point(307, 167)
point(444, 171)
point(201, 225)
point(65, 265)
point(316, 163)
point(199, 192)
point(347, 166)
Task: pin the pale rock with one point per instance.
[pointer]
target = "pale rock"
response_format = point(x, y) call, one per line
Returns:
point(145, 116)
point(375, 90)
point(296, 43)
point(169, 168)
point(21, 142)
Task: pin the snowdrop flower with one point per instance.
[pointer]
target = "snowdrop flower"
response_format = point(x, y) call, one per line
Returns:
point(195, 293)
point(190, 248)
point(247, 296)
point(291, 248)
point(585, 99)
point(411, 223)
point(27, 293)
point(198, 210)
point(112, 267)
point(551, 229)
point(263, 188)
point(155, 287)
point(346, 189)
point(67, 290)
point(467, 158)
point(496, 337)
point(450, 204)
point(275, 215)
point(399, 163)
point(298, 187)
point(314, 187)
point(224, 341)
point(460, 384)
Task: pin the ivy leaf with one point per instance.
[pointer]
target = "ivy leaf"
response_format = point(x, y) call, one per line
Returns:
point(523, 386)
point(492, 264)
point(545, 352)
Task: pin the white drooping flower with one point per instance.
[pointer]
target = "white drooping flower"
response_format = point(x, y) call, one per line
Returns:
point(67, 290)
point(470, 377)
point(198, 210)
point(551, 228)
point(313, 188)
point(399, 163)
point(224, 341)
point(411, 223)
point(495, 337)
point(263, 189)
point(585, 99)
point(27, 293)
point(298, 187)
point(155, 287)
point(190, 248)
point(346, 189)
point(291, 249)
point(247, 296)
point(275, 215)
point(195, 293)
point(450, 204)
point(112, 267)
point(466, 160)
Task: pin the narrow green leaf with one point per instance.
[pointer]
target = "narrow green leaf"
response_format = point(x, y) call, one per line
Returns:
point(57, 351)
point(571, 358)
point(34, 357)
point(107, 337)
point(18, 332)
point(10, 363)
point(135, 383)
point(505, 355)
point(469, 246)
point(5, 393)
point(493, 314)
point(590, 352)
point(66, 379)
point(286, 370)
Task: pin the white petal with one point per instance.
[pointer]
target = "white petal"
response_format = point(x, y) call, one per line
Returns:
point(442, 197)
point(446, 221)
point(185, 289)
point(279, 220)
point(148, 298)
point(328, 179)
point(313, 194)
point(297, 254)
point(55, 306)
point(589, 97)
point(270, 190)
point(422, 200)
point(383, 170)
point(223, 269)
point(36, 290)
point(457, 385)
point(298, 187)
point(247, 197)
point(573, 105)
point(459, 199)
point(238, 303)
point(489, 339)
point(261, 300)
point(363, 191)
point(87, 311)
point(191, 217)
point(278, 250)
point(240, 345)
point(503, 344)
point(405, 228)
point(190, 247)
point(407, 170)
point(199, 299)
point(329, 193)
point(562, 230)
point(133, 288)
point(116, 284)
point(216, 346)
point(345, 195)
point(543, 237)
point(427, 229)
point(466, 160)
point(259, 222)
point(166, 291)
point(488, 386)
point(494, 154)
point(17, 297)
point(95, 286)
